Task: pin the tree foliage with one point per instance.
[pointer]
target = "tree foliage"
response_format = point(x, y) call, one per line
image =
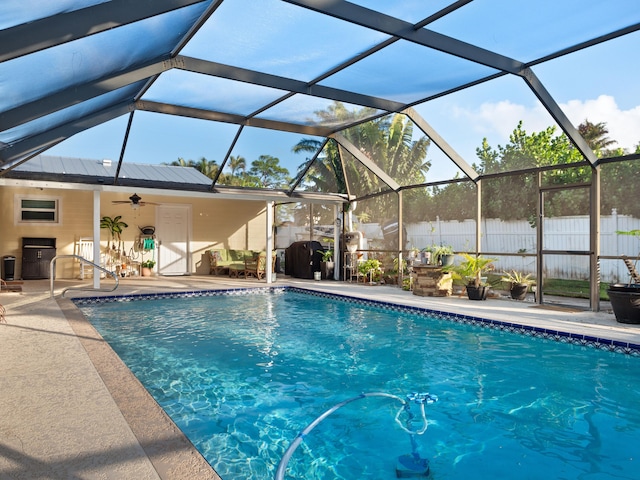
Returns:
point(513, 197)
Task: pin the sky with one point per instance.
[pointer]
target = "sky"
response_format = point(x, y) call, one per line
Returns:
point(599, 84)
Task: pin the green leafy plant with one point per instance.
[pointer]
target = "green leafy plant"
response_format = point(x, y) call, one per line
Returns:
point(148, 264)
point(515, 276)
point(372, 268)
point(327, 256)
point(438, 251)
point(472, 269)
point(405, 269)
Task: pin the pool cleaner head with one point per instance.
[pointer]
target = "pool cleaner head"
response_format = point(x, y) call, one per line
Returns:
point(412, 466)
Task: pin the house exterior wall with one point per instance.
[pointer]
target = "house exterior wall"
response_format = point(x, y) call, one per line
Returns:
point(214, 224)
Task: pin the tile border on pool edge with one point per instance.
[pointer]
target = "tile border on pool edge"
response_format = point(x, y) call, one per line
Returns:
point(606, 344)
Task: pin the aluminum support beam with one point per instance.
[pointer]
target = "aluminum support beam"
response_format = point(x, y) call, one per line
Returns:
point(594, 239)
point(407, 31)
point(77, 94)
point(231, 118)
point(66, 27)
point(56, 135)
point(441, 143)
point(285, 84)
point(366, 161)
point(558, 115)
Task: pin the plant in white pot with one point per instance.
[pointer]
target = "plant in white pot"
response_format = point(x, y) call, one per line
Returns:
point(327, 264)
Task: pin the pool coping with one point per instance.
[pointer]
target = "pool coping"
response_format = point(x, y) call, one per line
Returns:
point(170, 452)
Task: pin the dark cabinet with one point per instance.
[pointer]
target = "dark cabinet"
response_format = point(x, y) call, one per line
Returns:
point(37, 254)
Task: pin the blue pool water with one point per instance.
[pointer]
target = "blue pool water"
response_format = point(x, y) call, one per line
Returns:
point(242, 375)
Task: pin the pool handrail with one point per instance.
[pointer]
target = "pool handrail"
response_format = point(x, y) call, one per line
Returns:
point(52, 266)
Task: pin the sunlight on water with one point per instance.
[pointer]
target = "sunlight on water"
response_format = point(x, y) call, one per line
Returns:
point(243, 375)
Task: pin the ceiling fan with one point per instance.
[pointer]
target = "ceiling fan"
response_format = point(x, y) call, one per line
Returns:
point(135, 201)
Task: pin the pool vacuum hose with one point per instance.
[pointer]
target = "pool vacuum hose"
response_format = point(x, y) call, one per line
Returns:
point(409, 465)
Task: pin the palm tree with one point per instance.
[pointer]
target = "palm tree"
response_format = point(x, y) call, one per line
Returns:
point(207, 167)
point(387, 141)
point(237, 163)
point(182, 163)
point(596, 136)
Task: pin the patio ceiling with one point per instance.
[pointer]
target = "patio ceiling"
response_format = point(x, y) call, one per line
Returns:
point(72, 65)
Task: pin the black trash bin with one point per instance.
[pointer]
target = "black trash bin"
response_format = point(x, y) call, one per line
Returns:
point(8, 268)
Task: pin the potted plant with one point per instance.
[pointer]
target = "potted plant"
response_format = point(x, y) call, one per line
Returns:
point(327, 264)
point(414, 255)
point(147, 267)
point(472, 271)
point(518, 282)
point(371, 268)
point(443, 255)
point(625, 298)
point(392, 274)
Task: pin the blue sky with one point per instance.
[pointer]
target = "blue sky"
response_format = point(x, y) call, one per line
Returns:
point(599, 84)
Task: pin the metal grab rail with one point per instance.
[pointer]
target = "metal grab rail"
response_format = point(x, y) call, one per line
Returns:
point(108, 272)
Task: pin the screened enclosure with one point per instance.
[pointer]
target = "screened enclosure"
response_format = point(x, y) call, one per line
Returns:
point(503, 128)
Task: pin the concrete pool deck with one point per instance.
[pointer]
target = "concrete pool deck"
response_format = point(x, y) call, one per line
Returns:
point(70, 409)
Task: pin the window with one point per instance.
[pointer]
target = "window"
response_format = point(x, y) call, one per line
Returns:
point(37, 209)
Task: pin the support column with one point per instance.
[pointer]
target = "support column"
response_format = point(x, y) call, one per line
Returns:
point(594, 239)
point(269, 241)
point(478, 216)
point(401, 239)
point(337, 230)
point(96, 237)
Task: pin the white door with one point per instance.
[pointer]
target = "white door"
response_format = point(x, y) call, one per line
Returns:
point(173, 233)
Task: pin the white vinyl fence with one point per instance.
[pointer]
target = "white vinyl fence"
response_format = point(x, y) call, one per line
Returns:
point(561, 233)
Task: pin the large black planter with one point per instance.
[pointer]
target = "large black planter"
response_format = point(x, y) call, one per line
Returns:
point(519, 291)
point(625, 301)
point(477, 293)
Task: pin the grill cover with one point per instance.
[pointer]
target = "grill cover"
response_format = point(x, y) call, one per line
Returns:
point(301, 259)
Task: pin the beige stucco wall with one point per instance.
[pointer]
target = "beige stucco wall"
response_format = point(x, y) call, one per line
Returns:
point(214, 223)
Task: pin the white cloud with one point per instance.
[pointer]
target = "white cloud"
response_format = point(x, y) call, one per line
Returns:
point(623, 125)
point(497, 120)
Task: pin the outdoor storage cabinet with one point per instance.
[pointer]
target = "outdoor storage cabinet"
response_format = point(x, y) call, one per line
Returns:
point(37, 254)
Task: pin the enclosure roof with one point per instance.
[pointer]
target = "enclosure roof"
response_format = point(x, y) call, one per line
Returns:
point(71, 65)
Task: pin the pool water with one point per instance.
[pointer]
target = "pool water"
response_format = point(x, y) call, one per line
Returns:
point(242, 375)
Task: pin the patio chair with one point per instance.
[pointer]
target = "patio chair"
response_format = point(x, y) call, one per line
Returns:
point(631, 266)
point(257, 266)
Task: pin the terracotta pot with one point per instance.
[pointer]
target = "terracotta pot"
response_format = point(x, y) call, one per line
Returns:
point(146, 272)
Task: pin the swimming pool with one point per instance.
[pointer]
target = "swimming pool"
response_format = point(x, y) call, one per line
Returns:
point(242, 375)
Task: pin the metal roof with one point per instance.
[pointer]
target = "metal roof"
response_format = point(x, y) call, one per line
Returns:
point(71, 65)
point(61, 166)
